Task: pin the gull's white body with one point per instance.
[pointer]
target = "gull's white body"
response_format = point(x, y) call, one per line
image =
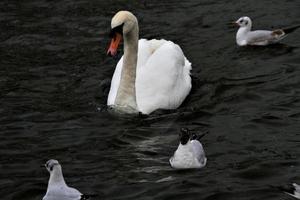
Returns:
point(58, 189)
point(60, 192)
point(151, 75)
point(190, 155)
point(296, 193)
point(245, 36)
point(162, 76)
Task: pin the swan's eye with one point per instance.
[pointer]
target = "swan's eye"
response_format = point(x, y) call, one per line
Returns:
point(51, 168)
point(117, 29)
point(242, 21)
point(246, 22)
point(111, 34)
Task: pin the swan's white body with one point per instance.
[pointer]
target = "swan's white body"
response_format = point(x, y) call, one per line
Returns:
point(190, 155)
point(162, 76)
point(162, 73)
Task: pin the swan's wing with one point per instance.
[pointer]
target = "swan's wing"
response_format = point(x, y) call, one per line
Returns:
point(163, 81)
point(144, 51)
point(163, 76)
point(198, 151)
point(262, 37)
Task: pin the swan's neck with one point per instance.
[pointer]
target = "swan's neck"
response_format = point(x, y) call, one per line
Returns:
point(126, 95)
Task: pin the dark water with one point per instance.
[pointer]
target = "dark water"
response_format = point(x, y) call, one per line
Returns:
point(54, 79)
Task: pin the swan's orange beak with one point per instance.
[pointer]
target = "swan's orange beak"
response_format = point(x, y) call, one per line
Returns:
point(113, 47)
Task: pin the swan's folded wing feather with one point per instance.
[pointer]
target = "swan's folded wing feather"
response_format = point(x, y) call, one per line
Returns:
point(164, 80)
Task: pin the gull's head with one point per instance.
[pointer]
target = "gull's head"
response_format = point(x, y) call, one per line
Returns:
point(184, 136)
point(121, 24)
point(52, 165)
point(244, 22)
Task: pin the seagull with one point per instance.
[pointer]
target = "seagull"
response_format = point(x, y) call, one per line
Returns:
point(57, 187)
point(245, 36)
point(190, 153)
point(292, 189)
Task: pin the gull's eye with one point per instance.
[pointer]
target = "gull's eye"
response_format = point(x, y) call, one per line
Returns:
point(246, 22)
point(242, 21)
point(51, 168)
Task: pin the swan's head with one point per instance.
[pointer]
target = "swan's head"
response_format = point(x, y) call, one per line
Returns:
point(121, 24)
point(52, 166)
point(125, 20)
point(244, 22)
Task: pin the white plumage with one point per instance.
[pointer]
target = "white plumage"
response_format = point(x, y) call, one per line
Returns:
point(245, 36)
point(162, 79)
point(57, 188)
point(189, 154)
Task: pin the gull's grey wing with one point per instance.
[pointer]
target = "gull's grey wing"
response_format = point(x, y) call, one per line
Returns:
point(198, 151)
point(264, 37)
point(290, 29)
point(261, 37)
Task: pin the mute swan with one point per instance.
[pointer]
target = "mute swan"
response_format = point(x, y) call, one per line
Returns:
point(152, 74)
point(245, 36)
point(190, 152)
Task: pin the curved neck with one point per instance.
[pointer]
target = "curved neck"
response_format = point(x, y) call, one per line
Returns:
point(241, 34)
point(126, 95)
point(56, 178)
point(243, 30)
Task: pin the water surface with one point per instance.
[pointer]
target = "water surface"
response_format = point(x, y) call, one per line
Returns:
point(54, 81)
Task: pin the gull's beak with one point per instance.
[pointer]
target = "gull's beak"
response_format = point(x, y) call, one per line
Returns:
point(113, 47)
point(233, 24)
